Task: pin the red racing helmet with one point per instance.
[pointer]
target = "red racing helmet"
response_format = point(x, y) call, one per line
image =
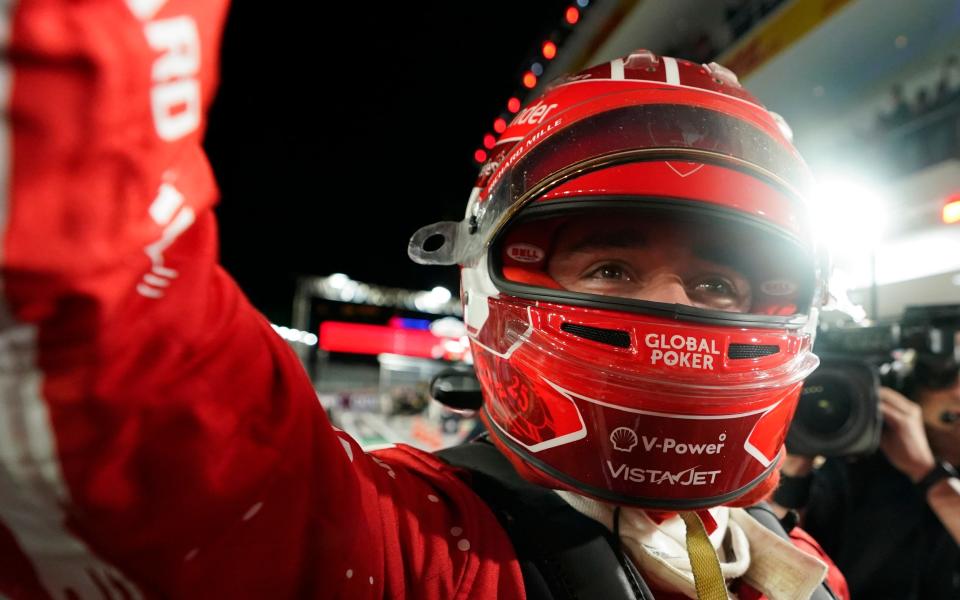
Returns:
point(640, 285)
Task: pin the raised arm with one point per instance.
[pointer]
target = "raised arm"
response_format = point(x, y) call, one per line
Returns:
point(156, 437)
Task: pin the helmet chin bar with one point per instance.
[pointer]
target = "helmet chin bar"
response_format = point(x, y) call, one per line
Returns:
point(603, 495)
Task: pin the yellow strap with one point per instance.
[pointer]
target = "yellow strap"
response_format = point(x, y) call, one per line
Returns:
point(703, 558)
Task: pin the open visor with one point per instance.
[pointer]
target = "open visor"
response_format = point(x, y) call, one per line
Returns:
point(613, 134)
point(666, 257)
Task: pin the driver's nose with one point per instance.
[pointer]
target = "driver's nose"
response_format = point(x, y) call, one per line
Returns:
point(666, 287)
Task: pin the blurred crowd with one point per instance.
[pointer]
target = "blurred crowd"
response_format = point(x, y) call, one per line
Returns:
point(921, 127)
point(739, 17)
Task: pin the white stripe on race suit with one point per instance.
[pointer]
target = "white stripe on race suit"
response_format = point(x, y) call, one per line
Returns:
point(165, 205)
point(32, 488)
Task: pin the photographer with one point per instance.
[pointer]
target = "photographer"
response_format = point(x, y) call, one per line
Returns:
point(891, 520)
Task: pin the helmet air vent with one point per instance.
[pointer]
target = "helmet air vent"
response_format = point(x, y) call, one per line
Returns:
point(611, 337)
point(751, 350)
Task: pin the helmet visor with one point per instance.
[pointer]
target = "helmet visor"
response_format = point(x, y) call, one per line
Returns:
point(660, 256)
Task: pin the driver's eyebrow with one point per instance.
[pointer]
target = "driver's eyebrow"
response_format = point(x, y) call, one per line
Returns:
point(632, 237)
point(613, 238)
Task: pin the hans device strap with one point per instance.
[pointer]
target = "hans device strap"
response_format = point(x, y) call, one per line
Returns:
point(764, 515)
point(563, 554)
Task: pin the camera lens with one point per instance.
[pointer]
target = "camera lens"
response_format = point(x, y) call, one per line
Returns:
point(826, 408)
point(838, 413)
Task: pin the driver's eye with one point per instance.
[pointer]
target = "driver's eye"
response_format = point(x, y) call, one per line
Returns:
point(716, 286)
point(610, 271)
point(716, 291)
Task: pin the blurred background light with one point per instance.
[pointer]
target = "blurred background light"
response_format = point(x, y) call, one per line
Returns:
point(549, 50)
point(849, 215)
point(951, 211)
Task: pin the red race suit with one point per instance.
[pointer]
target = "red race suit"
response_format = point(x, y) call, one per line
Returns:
point(157, 438)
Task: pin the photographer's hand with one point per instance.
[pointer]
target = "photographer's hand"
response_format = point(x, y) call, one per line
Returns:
point(904, 440)
point(905, 443)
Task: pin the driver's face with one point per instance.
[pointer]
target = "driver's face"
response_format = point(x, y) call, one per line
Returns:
point(648, 260)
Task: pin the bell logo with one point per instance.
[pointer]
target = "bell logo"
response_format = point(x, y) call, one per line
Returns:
point(778, 287)
point(526, 253)
point(623, 439)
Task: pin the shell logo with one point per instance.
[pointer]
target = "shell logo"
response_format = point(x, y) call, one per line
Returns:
point(623, 439)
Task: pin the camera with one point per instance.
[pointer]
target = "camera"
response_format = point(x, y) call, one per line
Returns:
point(839, 413)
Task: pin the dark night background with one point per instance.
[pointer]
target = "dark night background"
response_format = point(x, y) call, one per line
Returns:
point(339, 131)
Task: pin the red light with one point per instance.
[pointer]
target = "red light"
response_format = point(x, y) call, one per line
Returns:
point(499, 125)
point(951, 211)
point(573, 15)
point(358, 338)
point(513, 105)
point(529, 80)
point(549, 50)
point(480, 156)
point(489, 141)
